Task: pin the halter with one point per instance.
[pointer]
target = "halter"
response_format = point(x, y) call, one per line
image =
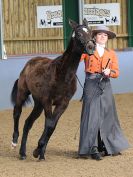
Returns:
point(83, 42)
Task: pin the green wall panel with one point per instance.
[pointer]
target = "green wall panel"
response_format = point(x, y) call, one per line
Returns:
point(70, 11)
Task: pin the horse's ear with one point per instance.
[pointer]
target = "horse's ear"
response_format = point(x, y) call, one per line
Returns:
point(85, 22)
point(73, 24)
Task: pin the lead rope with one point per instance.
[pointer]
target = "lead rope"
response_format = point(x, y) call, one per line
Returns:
point(80, 101)
point(81, 87)
point(79, 81)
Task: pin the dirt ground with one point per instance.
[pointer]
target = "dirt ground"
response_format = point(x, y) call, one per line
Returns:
point(61, 155)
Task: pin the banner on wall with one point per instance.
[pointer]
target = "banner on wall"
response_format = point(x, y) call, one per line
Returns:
point(96, 15)
point(102, 14)
point(49, 16)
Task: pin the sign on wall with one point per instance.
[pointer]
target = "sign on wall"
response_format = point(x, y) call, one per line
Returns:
point(102, 14)
point(96, 15)
point(49, 16)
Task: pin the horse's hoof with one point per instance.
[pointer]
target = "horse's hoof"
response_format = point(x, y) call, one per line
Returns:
point(41, 159)
point(36, 153)
point(13, 145)
point(22, 157)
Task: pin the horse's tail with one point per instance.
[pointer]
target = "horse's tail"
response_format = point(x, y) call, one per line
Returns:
point(14, 95)
point(14, 92)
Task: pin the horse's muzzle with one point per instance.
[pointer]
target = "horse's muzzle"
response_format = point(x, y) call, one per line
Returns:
point(90, 47)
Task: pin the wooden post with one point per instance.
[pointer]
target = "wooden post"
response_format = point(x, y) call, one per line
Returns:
point(1, 32)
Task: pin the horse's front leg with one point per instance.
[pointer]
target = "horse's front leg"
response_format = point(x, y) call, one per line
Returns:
point(37, 110)
point(50, 125)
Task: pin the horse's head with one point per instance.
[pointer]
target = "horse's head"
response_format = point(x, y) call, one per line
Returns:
point(83, 35)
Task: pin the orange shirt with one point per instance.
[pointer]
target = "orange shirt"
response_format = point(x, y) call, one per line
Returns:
point(95, 63)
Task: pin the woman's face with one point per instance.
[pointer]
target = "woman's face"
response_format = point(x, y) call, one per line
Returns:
point(101, 38)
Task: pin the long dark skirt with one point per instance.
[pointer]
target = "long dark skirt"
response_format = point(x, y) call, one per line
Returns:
point(99, 115)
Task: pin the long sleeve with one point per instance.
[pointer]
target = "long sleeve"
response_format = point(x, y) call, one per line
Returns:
point(114, 66)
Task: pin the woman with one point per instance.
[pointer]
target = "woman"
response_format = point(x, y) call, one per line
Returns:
point(100, 128)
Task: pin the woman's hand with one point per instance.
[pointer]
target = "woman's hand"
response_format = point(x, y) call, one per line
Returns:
point(106, 72)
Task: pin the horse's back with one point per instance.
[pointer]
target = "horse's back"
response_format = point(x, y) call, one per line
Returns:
point(33, 63)
point(38, 60)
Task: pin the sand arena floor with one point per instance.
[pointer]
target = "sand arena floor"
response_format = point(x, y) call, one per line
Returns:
point(61, 155)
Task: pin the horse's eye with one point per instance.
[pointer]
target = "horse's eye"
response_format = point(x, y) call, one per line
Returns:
point(80, 34)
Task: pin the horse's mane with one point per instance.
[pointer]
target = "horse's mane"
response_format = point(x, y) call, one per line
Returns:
point(69, 48)
point(67, 51)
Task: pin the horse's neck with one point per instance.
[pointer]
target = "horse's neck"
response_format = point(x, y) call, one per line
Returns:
point(71, 58)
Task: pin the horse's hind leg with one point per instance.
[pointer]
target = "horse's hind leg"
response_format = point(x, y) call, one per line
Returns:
point(16, 115)
point(50, 125)
point(37, 110)
point(21, 97)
